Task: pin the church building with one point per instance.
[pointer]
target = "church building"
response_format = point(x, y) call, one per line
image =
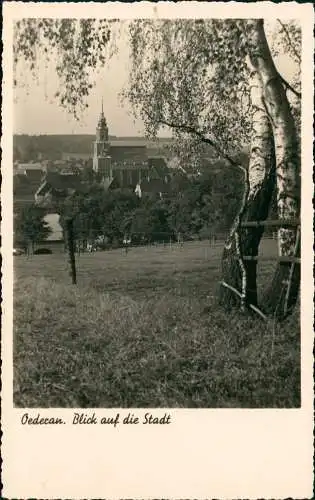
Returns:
point(101, 153)
point(124, 163)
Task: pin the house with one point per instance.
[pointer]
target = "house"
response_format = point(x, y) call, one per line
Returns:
point(158, 169)
point(152, 187)
point(34, 175)
point(25, 185)
point(23, 168)
point(75, 156)
point(56, 186)
point(110, 183)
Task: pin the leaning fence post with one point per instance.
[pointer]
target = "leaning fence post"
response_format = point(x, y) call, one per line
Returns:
point(70, 247)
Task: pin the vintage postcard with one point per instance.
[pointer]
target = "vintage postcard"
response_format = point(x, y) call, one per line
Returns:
point(157, 250)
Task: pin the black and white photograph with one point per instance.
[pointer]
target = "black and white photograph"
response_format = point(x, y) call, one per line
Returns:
point(158, 223)
point(157, 213)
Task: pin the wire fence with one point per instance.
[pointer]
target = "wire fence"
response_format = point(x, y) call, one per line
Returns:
point(94, 241)
point(57, 243)
point(75, 244)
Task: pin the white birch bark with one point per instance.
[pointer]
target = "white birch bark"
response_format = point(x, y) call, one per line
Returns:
point(261, 136)
point(258, 192)
point(282, 295)
point(285, 137)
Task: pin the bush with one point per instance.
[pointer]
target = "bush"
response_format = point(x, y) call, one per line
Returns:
point(42, 251)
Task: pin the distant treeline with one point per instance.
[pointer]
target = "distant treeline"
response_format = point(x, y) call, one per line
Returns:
point(30, 147)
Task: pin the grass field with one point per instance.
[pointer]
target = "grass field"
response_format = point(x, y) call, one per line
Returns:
point(143, 330)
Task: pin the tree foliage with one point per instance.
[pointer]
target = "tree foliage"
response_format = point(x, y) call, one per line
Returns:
point(184, 73)
point(30, 226)
point(192, 76)
point(76, 47)
point(195, 208)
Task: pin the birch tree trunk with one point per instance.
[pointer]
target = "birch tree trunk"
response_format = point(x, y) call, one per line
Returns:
point(242, 275)
point(283, 292)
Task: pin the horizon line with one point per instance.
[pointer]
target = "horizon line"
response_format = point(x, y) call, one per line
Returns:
point(72, 134)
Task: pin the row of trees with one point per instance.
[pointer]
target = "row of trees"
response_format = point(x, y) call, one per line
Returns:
point(212, 82)
point(195, 208)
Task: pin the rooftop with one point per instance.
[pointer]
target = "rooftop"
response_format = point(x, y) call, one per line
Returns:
point(154, 186)
point(63, 181)
point(120, 152)
point(30, 166)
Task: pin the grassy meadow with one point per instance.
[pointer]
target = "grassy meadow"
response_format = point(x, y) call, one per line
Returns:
point(143, 330)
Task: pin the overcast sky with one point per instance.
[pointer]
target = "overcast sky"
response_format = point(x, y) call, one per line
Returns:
point(36, 112)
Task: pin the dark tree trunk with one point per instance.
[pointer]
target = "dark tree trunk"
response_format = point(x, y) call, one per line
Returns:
point(239, 277)
point(251, 237)
point(71, 250)
point(256, 210)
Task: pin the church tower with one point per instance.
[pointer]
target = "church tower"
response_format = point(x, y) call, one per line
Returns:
point(101, 158)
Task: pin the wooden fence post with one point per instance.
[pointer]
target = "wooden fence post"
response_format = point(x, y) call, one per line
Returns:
point(282, 294)
point(70, 248)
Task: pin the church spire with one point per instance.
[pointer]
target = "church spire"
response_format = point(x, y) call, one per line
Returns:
point(102, 129)
point(101, 158)
point(102, 117)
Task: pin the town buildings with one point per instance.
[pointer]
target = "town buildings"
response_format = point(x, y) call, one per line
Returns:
point(116, 163)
